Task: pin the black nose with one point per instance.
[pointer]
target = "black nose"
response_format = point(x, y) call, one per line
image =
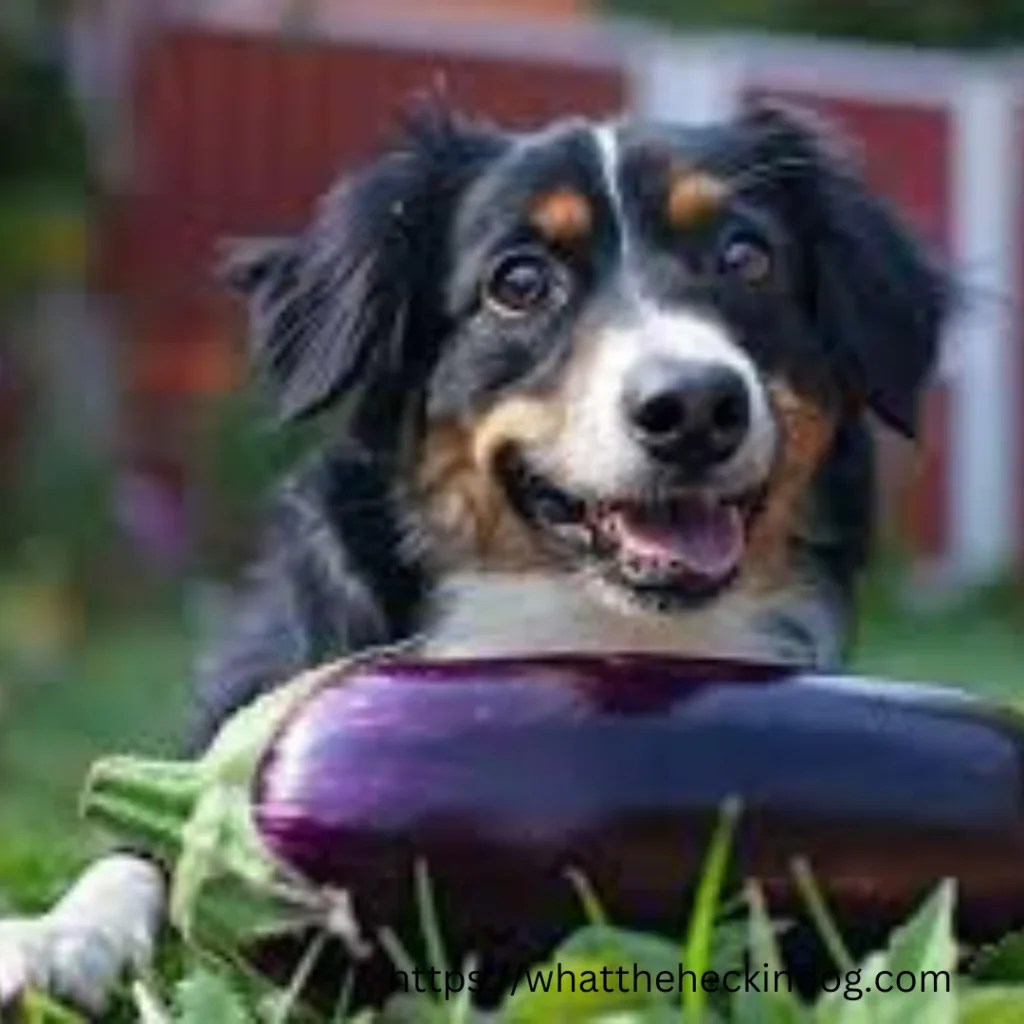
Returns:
point(691, 414)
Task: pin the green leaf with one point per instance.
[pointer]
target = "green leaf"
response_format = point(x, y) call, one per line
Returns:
point(653, 953)
point(406, 1008)
point(205, 996)
point(926, 941)
point(729, 945)
point(619, 946)
point(992, 1004)
point(849, 1002)
point(37, 1008)
point(921, 951)
point(1003, 961)
point(925, 946)
point(573, 990)
point(775, 1004)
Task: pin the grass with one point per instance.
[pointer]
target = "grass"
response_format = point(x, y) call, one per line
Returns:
point(723, 938)
point(977, 645)
point(125, 692)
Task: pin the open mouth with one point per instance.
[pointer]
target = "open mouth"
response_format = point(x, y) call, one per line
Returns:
point(682, 546)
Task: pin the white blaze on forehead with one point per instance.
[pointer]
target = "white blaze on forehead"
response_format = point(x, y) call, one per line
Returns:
point(595, 451)
point(607, 139)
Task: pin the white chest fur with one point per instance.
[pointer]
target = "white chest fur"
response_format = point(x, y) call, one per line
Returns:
point(492, 615)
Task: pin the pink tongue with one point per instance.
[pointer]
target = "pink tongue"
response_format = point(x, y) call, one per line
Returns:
point(707, 540)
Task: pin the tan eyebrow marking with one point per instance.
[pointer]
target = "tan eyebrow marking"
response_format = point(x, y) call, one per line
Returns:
point(694, 196)
point(562, 215)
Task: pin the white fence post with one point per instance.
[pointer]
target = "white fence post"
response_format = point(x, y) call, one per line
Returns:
point(984, 369)
point(694, 81)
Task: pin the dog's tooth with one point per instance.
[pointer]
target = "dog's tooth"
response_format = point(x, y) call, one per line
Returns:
point(638, 566)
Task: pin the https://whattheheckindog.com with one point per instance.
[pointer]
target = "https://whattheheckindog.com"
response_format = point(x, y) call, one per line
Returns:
point(633, 979)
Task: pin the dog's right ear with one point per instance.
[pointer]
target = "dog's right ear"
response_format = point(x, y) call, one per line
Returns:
point(880, 299)
point(349, 311)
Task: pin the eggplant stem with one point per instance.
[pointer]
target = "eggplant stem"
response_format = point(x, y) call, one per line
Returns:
point(160, 832)
point(147, 800)
point(164, 784)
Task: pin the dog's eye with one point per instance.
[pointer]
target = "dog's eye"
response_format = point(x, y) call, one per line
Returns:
point(518, 283)
point(746, 256)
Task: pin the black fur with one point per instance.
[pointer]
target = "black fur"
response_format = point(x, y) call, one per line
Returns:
point(350, 311)
point(879, 301)
point(831, 551)
point(331, 577)
point(373, 311)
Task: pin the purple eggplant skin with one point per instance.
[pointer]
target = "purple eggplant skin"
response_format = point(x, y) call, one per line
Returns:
point(501, 774)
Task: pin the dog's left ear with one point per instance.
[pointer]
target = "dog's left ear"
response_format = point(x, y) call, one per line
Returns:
point(347, 313)
point(879, 301)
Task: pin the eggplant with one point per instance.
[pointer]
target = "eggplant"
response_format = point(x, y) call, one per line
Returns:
point(503, 776)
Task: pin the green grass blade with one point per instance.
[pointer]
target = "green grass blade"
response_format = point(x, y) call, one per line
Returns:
point(462, 1010)
point(290, 999)
point(396, 952)
point(38, 1008)
point(596, 916)
point(149, 1006)
point(343, 1007)
point(776, 1003)
point(429, 923)
point(697, 949)
point(820, 915)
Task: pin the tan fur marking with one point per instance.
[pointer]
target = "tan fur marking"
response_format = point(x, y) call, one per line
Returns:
point(806, 433)
point(563, 215)
point(466, 508)
point(522, 421)
point(693, 197)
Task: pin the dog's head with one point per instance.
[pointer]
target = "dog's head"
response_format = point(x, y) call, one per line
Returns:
point(615, 349)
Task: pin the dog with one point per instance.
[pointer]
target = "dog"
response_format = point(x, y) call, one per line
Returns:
point(593, 387)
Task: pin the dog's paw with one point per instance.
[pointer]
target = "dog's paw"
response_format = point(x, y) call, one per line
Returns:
point(103, 928)
point(71, 964)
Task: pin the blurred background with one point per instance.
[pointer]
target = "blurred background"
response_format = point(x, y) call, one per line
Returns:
point(136, 133)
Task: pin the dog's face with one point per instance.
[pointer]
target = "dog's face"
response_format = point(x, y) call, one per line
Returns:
point(613, 350)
